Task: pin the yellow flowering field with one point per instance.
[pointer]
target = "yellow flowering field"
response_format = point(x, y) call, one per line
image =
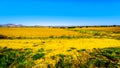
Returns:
point(85, 49)
point(114, 29)
point(59, 45)
point(36, 32)
point(54, 47)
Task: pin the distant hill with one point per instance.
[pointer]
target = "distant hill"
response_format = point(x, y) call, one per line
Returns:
point(20, 25)
point(11, 25)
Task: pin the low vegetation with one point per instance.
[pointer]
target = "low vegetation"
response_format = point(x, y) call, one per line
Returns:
point(84, 58)
point(63, 47)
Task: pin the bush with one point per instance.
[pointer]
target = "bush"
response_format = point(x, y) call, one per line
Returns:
point(61, 55)
point(37, 56)
point(3, 37)
point(41, 50)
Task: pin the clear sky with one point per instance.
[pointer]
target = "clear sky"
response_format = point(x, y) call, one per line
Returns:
point(60, 12)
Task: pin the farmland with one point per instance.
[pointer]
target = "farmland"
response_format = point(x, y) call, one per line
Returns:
point(36, 47)
point(36, 32)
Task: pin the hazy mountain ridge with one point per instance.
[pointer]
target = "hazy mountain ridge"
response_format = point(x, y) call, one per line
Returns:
point(20, 25)
point(11, 25)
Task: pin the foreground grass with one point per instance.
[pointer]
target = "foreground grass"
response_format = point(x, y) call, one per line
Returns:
point(83, 58)
point(59, 53)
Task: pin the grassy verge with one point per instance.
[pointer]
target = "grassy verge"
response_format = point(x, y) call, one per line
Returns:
point(83, 58)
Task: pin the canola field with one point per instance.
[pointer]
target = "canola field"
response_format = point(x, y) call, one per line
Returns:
point(36, 32)
point(28, 47)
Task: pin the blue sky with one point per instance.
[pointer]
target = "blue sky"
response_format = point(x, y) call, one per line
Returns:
point(60, 12)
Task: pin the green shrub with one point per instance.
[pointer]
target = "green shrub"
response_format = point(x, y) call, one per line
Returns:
point(41, 50)
point(3, 37)
point(51, 36)
point(61, 55)
point(52, 57)
point(38, 56)
point(81, 50)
